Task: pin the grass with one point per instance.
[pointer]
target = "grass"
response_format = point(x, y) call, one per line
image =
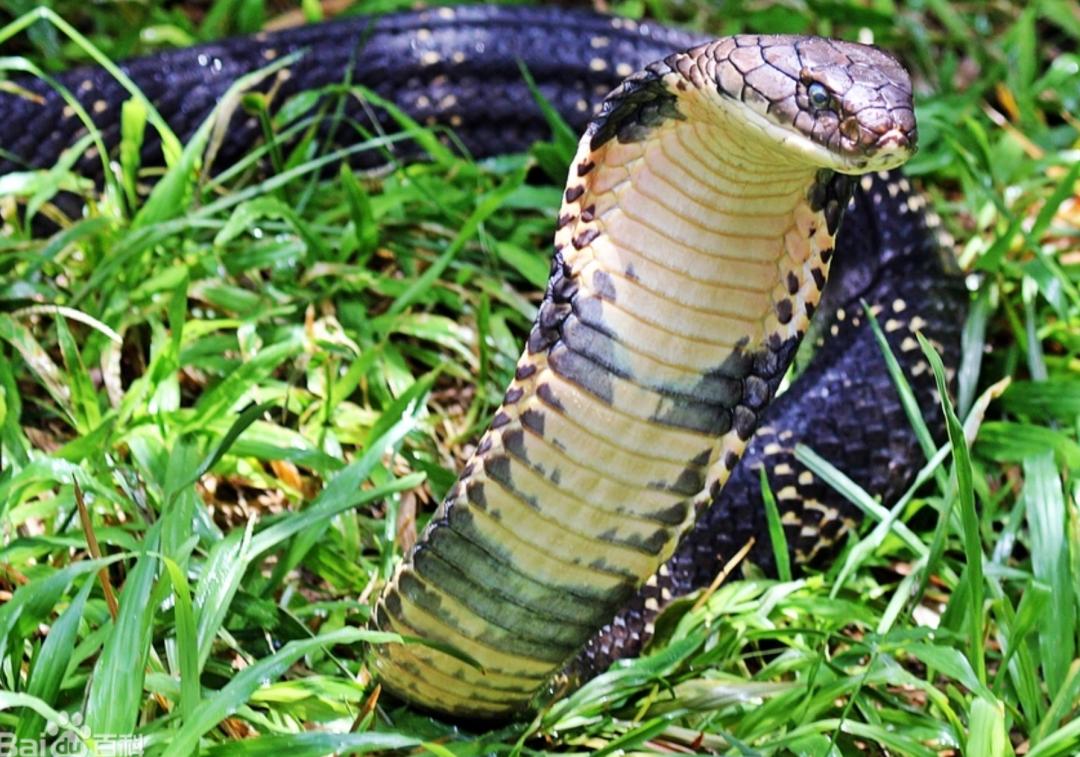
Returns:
point(226, 405)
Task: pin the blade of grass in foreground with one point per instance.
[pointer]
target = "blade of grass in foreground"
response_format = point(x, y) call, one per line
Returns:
point(1050, 562)
point(987, 733)
point(186, 640)
point(973, 575)
point(1062, 704)
point(776, 529)
point(51, 662)
point(116, 691)
point(236, 692)
point(856, 495)
point(904, 391)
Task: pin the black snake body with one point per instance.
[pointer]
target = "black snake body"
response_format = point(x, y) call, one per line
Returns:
point(459, 68)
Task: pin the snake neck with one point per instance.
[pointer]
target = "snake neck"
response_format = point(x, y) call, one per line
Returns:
point(688, 261)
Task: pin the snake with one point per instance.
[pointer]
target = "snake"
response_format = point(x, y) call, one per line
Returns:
point(716, 185)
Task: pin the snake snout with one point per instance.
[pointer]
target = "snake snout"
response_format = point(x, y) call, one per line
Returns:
point(891, 140)
point(880, 130)
point(896, 140)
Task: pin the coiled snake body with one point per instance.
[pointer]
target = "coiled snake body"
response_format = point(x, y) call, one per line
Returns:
point(695, 238)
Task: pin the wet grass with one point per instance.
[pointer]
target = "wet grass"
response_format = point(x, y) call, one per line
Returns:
point(226, 403)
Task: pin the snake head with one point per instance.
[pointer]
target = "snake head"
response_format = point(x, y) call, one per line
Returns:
point(842, 105)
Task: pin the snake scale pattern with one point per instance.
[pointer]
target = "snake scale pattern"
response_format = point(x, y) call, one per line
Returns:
point(694, 241)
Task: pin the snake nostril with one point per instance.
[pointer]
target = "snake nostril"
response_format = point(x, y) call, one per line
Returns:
point(850, 128)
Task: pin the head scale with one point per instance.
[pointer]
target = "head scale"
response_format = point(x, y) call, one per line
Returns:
point(846, 105)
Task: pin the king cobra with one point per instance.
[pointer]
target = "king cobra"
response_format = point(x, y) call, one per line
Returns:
point(693, 245)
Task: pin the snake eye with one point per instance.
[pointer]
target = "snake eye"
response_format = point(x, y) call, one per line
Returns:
point(819, 96)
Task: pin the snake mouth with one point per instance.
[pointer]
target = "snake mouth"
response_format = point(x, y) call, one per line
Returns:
point(892, 149)
point(882, 152)
point(895, 140)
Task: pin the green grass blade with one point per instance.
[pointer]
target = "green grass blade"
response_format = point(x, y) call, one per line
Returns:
point(987, 735)
point(903, 389)
point(776, 529)
point(855, 494)
point(11, 699)
point(133, 116)
point(219, 705)
point(220, 400)
point(173, 190)
point(1064, 702)
point(38, 360)
point(51, 663)
point(218, 584)
point(1044, 503)
point(973, 340)
point(116, 692)
point(187, 640)
point(424, 137)
point(972, 538)
point(32, 603)
point(485, 206)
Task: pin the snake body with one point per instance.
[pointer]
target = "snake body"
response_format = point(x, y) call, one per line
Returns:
point(694, 239)
point(664, 330)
